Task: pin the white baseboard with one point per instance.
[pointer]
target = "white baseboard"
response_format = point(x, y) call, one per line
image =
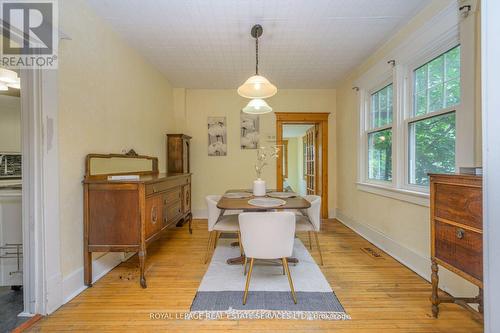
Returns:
point(73, 283)
point(409, 258)
point(55, 295)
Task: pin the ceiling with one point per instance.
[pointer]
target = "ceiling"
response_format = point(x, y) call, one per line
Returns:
point(207, 43)
point(293, 131)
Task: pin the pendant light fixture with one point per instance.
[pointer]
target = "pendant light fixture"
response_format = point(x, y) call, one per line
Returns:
point(257, 86)
point(257, 106)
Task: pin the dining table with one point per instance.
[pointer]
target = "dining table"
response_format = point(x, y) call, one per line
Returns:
point(296, 202)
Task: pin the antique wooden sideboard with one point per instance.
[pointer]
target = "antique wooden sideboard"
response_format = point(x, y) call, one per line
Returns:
point(127, 215)
point(457, 234)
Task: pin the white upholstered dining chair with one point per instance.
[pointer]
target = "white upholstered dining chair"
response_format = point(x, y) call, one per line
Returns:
point(309, 220)
point(267, 235)
point(218, 224)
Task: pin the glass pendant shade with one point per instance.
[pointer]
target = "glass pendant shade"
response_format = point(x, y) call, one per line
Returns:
point(8, 76)
point(3, 87)
point(257, 106)
point(257, 87)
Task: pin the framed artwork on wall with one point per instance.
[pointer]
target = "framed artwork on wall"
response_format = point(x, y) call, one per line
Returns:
point(217, 136)
point(249, 131)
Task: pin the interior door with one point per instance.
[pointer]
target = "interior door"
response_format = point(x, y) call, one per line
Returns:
point(310, 145)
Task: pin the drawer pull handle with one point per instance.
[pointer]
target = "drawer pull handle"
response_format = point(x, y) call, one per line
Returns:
point(460, 233)
point(154, 215)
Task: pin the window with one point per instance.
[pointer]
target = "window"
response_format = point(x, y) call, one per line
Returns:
point(418, 110)
point(431, 128)
point(379, 135)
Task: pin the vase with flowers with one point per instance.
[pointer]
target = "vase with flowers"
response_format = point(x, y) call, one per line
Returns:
point(263, 155)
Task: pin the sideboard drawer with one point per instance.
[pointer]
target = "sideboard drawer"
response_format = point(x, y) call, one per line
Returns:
point(173, 196)
point(459, 204)
point(174, 211)
point(461, 248)
point(154, 215)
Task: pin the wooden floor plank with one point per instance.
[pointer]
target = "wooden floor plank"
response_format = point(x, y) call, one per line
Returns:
point(380, 294)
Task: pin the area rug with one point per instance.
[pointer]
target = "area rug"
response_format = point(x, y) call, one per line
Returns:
point(221, 290)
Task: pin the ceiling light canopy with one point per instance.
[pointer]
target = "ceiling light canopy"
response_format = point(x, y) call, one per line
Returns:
point(257, 106)
point(257, 86)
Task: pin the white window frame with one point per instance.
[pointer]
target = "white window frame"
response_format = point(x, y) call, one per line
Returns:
point(449, 44)
point(368, 129)
point(441, 33)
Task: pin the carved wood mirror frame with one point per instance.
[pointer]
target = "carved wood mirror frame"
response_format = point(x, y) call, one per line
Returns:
point(129, 154)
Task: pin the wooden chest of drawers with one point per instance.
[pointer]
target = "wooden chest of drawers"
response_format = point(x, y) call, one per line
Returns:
point(127, 215)
point(456, 233)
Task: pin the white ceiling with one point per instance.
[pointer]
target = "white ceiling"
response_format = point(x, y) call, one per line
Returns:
point(207, 43)
point(293, 131)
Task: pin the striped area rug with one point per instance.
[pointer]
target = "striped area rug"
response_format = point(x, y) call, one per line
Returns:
point(221, 290)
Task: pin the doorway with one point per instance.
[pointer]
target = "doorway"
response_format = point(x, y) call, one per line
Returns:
point(11, 223)
point(303, 165)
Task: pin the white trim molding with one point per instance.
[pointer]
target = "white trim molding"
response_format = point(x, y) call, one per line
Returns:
point(490, 54)
point(41, 234)
point(417, 198)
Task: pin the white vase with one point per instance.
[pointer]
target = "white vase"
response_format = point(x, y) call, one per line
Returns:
point(259, 187)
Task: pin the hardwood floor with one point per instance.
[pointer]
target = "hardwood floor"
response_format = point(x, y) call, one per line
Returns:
point(379, 294)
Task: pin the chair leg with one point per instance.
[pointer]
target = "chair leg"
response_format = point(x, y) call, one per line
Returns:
point(319, 248)
point(310, 241)
point(239, 243)
point(285, 265)
point(209, 245)
point(245, 266)
point(217, 234)
point(248, 281)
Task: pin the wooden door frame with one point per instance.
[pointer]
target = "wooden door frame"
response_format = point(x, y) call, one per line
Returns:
point(320, 118)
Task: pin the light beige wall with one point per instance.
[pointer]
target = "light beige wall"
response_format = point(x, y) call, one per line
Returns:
point(10, 124)
point(214, 175)
point(400, 226)
point(110, 99)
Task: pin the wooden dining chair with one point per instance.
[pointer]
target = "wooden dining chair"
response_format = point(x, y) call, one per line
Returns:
point(218, 224)
point(309, 220)
point(267, 235)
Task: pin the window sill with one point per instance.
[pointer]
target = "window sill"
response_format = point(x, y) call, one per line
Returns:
point(414, 197)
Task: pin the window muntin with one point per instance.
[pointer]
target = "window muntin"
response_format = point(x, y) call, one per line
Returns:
point(379, 135)
point(437, 83)
point(431, 147)
point(380, 155)
point(381, 107)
